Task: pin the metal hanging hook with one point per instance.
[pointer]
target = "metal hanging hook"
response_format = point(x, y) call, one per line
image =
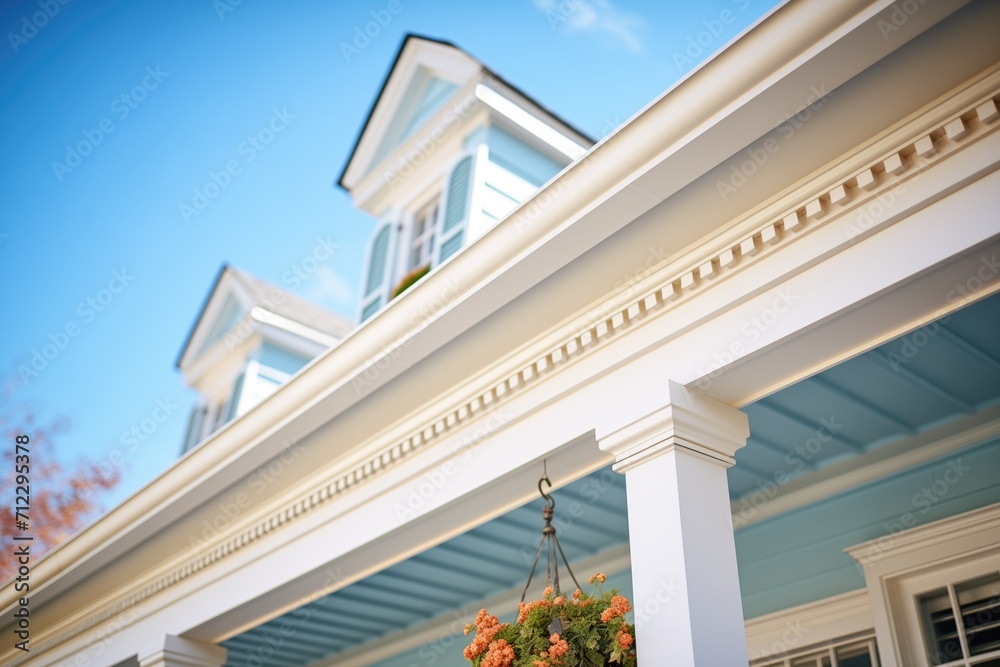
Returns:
point(549, 500)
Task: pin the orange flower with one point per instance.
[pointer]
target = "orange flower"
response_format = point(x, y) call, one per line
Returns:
point(559, 600)
point(624, 637)
point(619, 607)
point(525, 608)
point(601, 577)
point(487, 627)
point(558, 648)
point(577, 593)
point(547, 592)
point(501, 654)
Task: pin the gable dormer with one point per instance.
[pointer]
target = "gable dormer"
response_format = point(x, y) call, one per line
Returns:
point(249, 339)
point(448, 150)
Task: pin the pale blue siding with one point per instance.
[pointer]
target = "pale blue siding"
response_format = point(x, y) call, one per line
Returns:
point(280, 359)
point(799, 557)
point(520, 159)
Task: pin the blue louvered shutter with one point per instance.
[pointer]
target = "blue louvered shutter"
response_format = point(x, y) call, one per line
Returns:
point(458, 196)
point(195, 423)
point(378, 274)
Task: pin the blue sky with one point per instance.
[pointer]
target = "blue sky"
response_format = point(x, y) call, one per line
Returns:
point(115, 115)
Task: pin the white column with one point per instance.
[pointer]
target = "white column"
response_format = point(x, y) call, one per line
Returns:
point(171, 651)
point(687, 592)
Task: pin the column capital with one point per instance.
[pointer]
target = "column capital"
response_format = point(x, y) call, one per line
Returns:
point(171, 651)
point(689, 420)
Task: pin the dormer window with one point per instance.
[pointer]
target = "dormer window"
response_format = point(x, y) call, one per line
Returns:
point(424, 229)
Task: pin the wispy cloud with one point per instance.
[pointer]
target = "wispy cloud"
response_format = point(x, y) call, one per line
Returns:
point(600, 18)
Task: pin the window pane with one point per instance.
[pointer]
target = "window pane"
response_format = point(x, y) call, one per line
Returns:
point(856, 655)
point(814, 660)
point(979, 602)
point(943, 643)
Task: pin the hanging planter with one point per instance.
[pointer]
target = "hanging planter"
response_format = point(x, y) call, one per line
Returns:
point(579, 630)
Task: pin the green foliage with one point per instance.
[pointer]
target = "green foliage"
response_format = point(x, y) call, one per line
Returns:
point(407, 281)
point(594, 633)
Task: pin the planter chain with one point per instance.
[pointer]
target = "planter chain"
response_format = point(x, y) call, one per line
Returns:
point(548, 540)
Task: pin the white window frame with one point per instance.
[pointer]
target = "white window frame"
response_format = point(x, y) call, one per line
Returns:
point(424, 241)
point(918, 586)
point(900, 567)
point(829, 648)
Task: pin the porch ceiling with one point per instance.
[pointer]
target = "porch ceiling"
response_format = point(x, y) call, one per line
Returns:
point(942, 372)
point(946, 370)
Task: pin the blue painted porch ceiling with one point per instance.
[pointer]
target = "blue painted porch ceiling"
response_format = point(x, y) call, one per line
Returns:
point(942, 372)
point(489, 559)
